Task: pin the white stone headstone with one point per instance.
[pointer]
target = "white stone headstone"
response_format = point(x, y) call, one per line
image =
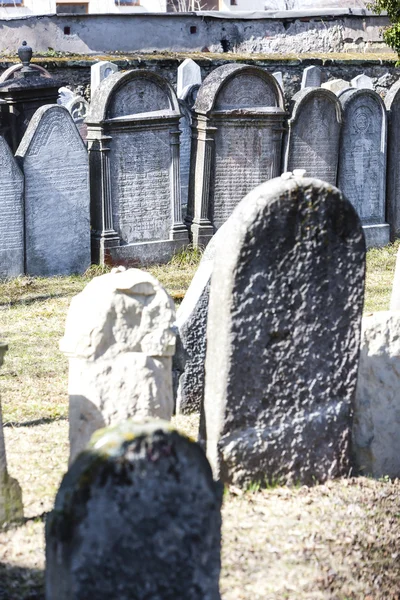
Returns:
point(99, 71)
point(189, 73)
point(279, 78)
point(311, 77)
point(362, 82)
point(65, 95)
point(336, 85)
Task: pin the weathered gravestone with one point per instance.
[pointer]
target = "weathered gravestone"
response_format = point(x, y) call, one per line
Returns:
point(78, 108)
point(395, 297)
point(138, 515)
point(57, 221)
point(11, 506)
point(392, 103)
point(133, 142)
point(311, 77)
point(186, 102)
point(11, 215)
point(237, 139)
point(362, 82)
point(376, 440)
point(336, 85)
point(100, 71)
point(279, 78)
point(120, 342)
point(189, 73)
point(362, 161)
point(283, 335)
point(312, 141)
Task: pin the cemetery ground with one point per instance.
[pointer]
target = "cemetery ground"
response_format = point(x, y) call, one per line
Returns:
point(338, 541)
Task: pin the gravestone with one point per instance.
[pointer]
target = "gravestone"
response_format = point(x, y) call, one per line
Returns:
point(362, 161)
point(11, 506)
point(376, 440)
point(336, 85)
point(120, 340)
point(283, 334)
point(311, 77)
point(279, 78)
point(138, 515)
point(12, 214)
point(186, 102)
point(78, 108)
point(237, 141)
point(57, 223)
point(133, 143)
point(316, 148)
point(395, 297)
point(189, 73)
point(100, 71)
point(392, 103)
point(362, 82)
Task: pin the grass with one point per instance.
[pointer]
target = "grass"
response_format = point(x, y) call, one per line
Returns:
point(333, 542)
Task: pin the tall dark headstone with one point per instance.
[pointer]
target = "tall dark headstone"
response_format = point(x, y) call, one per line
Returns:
point(283, 335)
point(133, 143)
point(312, 141)
point(236, 143)
point(362, 161)
point(136, 516)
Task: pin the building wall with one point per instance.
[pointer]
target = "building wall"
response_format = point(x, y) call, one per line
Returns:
point(48, 7)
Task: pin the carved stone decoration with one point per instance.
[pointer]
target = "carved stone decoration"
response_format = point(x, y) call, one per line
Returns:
point(55, 164)
point(133, 142)
point(186, 103)
point(314, 148)
point(78, 108)
point(362, 161)
point(236, 143)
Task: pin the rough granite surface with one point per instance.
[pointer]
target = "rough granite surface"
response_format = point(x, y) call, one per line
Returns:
point(283, 335)
point(137, 517)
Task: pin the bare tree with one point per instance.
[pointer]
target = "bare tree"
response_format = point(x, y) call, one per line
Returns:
point(281, 4)
point(186, 5)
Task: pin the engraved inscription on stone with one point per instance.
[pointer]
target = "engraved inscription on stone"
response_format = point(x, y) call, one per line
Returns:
point(11, 214)
point(245, 157)
point(138, 96)
point(185, 140)
point(141, 187)
point(246, 91)
point(362, 161)
point(314, 138)
point(56, 195)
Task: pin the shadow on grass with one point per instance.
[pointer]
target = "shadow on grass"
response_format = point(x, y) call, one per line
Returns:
point(20, 583)
point(43, 421)
point(33, 299)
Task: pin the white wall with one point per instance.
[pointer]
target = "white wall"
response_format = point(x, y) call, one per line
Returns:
point(47, 7)
point(242, 5)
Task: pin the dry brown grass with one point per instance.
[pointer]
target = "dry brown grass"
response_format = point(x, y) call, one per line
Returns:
point(337, 541)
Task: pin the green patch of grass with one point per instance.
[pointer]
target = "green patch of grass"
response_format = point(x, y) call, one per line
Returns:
point(381, 264)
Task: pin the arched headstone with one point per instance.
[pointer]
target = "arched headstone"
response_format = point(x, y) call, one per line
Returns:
point(133, 143)
point(237, 139)
point(78, 107)
point(11, 214)
point(57, 222)
point(312, 141)
point(362, 161)
point(283, 335)
point(392, 103)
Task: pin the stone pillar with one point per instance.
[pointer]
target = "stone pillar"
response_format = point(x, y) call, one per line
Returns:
point(178, 231)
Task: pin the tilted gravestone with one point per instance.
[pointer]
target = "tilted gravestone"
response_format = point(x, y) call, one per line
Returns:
point(138, 515)
point(283, 335)
point(186, 102)
point(54, 161)
point(392, 103)
point(237, 139)
point(362, 161)
point(100, 71)
point(362, 82)
point(133, 143)
point(311, 77)
point(189, 73)
point(11, 506)
point(314, 148)
point(120, 342)
point(336, 85)
point(376, 440)
point(12, 214)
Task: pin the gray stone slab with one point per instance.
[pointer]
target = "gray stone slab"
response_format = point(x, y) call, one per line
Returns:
point(362, 82)
point(11, 214)
point(78, 108)
point(392, 103)
point(100, 71)
point(138, 515)
point(283, 334)
point(376, 440)
point(237, 125)
point(57, 221)
point(311, 77)
point(362, 162)
point(189, 73)
point(186, 102)
point(133, 142)
point(119, 339)
point(336, 85)
point(314, 148)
